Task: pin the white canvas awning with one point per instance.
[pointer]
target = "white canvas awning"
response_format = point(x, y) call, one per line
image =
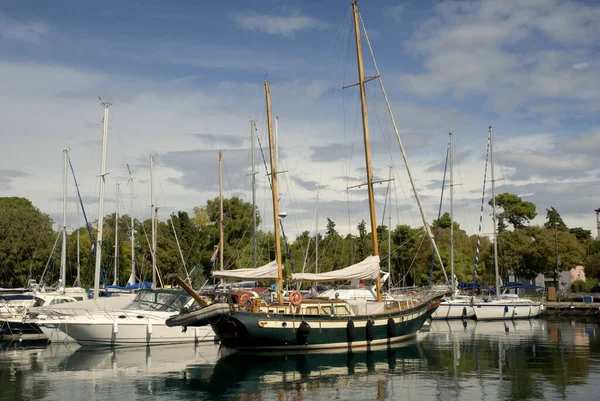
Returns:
point(368, 269)
point(266, 272)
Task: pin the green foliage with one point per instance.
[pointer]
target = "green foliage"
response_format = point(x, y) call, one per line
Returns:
point(584, 286)
point(330, 230)
point(514, 210)
point(444, 222)
point(591, 266)
point(581, 234)
point(553, 220)
point(26, 240)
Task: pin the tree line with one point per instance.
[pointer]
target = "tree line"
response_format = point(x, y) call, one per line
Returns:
point(27, 239)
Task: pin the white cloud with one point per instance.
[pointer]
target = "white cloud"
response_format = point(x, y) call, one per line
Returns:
point(396, 12)
point(491, 48)
point(29, 31)
point(583, 143)
point(278, 24)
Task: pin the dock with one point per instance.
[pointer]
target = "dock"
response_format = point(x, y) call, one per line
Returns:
point(570, 308)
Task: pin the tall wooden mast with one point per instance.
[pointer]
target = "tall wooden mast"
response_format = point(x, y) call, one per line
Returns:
point(365, 123)
point(275, 196)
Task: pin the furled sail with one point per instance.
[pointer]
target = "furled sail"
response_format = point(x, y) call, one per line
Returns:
point(266, 272)
point(368, 269)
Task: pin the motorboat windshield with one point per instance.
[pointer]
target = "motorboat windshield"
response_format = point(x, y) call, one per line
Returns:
point(159, 300)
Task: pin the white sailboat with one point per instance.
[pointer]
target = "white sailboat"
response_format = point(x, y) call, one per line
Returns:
point(456, 306)
point(503, 306)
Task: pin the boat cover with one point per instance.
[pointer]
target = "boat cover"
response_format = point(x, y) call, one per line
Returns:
point(368, 269)
point(201, 317)
point(266, 272)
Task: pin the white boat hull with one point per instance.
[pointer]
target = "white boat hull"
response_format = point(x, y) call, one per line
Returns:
point(456, 309)
point(126, 332)
point(507, 309)
point(54, 334)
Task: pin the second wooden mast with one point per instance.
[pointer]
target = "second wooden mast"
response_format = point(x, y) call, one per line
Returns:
point(275, 198)
point(365, 123)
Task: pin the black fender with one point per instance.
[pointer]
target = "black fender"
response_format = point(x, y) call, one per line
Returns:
point(302, 333)
point(350, 333)
point(369, 328)
point(391, 328)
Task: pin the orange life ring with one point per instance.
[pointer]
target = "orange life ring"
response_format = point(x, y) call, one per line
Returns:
point(295, 298)
point(242, 301)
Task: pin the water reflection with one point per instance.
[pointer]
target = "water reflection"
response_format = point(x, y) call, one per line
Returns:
point(252, 373)
point(454, 361)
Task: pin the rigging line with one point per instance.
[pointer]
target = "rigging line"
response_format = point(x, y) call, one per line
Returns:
point(415, 257)
point(180, 252)
point(51, 257)
point(467, 213)
point(421, 209)
point(248, 228)
point(481, 216)
point(498, 160)
point(237, 251)
point(439, 216)
point(339, 38)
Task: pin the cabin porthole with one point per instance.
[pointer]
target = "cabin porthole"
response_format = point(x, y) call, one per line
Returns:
point(284, 324)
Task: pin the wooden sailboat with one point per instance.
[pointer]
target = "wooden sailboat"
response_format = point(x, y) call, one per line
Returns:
point(316, 323)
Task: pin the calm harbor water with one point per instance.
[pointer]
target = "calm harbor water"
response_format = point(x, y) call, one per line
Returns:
point(525, 360)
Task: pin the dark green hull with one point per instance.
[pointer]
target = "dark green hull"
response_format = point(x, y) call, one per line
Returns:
point(247, 330)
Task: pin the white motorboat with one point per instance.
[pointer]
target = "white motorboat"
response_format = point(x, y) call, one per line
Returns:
point(142, 322)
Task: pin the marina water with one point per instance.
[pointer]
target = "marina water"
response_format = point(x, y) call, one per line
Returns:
point(525, 360)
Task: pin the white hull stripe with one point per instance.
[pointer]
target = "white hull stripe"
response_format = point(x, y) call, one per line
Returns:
point(332, 324)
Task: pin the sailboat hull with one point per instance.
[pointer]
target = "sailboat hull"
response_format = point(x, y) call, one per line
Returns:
point(246, 330)
point(507, 310)
point(454, 310)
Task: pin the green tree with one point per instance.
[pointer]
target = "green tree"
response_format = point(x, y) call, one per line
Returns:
point(26, 240)
point(592, 266)
point(514, 210)
point(200, 218)
point(585, 239)
point(330, 228)
point(581, 234)
point(553, 220)
point(542, 255)
point(444, 222)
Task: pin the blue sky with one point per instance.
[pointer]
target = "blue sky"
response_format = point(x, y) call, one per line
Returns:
point(185, 78)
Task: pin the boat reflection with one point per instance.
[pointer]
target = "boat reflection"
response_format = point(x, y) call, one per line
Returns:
point(255, 372)
point(480, 360)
